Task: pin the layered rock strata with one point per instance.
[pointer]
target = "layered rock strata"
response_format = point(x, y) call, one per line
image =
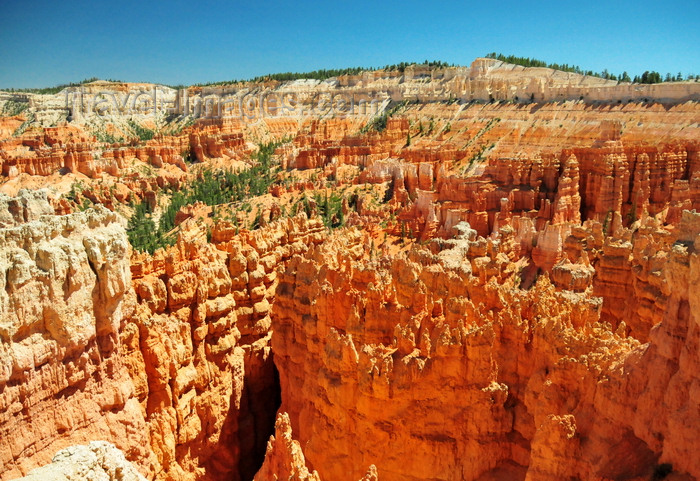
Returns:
point(168, 358)
point(198, 345)
point(516, 298)
point(442, 372)
point(64, 296)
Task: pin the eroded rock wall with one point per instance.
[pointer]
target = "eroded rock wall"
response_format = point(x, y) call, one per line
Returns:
point(168, 358)
point(199, 350)
point(442, 368)
point(554, 336)
point(65, 291)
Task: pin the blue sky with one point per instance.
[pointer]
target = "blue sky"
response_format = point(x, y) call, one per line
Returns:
point(44, 43)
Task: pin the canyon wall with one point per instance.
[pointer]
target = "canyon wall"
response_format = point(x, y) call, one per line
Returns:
point(485, 80)
point(65, 294)
point(199, 350)
point(453, 290)
point(444, 369)
point(172, 363)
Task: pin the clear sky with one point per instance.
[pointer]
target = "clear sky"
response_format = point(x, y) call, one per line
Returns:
point(44, 43)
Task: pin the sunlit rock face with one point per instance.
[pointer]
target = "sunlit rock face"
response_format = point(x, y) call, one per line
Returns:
point(442, 373)
point(172, 364)
point(98, 460)
point(512, 293)
point(64, 296)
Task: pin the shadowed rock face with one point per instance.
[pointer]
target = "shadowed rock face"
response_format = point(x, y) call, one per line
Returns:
point(514, 294)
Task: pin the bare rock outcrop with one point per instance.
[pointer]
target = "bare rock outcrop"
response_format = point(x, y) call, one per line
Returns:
point(63, 296)
point(198, 345)
point(98, 461)
point(27, 206)
point(171, 363)
point(441, 372)
point(513, 295)
point(284, 458)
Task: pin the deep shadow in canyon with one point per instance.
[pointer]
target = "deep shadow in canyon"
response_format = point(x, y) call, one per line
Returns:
point(260, 401)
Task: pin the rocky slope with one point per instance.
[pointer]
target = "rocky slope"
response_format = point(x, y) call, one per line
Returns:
point(447, 289)
point(443, 368)
point(198, 346)
point(98, 461)
point(172, 364)
point(64, 297)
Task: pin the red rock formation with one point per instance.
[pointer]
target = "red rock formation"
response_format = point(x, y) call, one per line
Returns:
point(567, 203)
point(441, 372)
point(63, 376)
point(545, 327)
point(203, 323)
point(284, 458)
point(162, 370)
point(654, 387)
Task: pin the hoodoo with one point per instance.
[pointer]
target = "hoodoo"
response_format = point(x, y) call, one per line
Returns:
point(486, 273)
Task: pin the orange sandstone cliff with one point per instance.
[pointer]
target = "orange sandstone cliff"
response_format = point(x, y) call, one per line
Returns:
point(171, 363)
point(444, 373)
point(492, 277)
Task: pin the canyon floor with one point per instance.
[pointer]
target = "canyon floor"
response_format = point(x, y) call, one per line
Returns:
point(490, 273)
